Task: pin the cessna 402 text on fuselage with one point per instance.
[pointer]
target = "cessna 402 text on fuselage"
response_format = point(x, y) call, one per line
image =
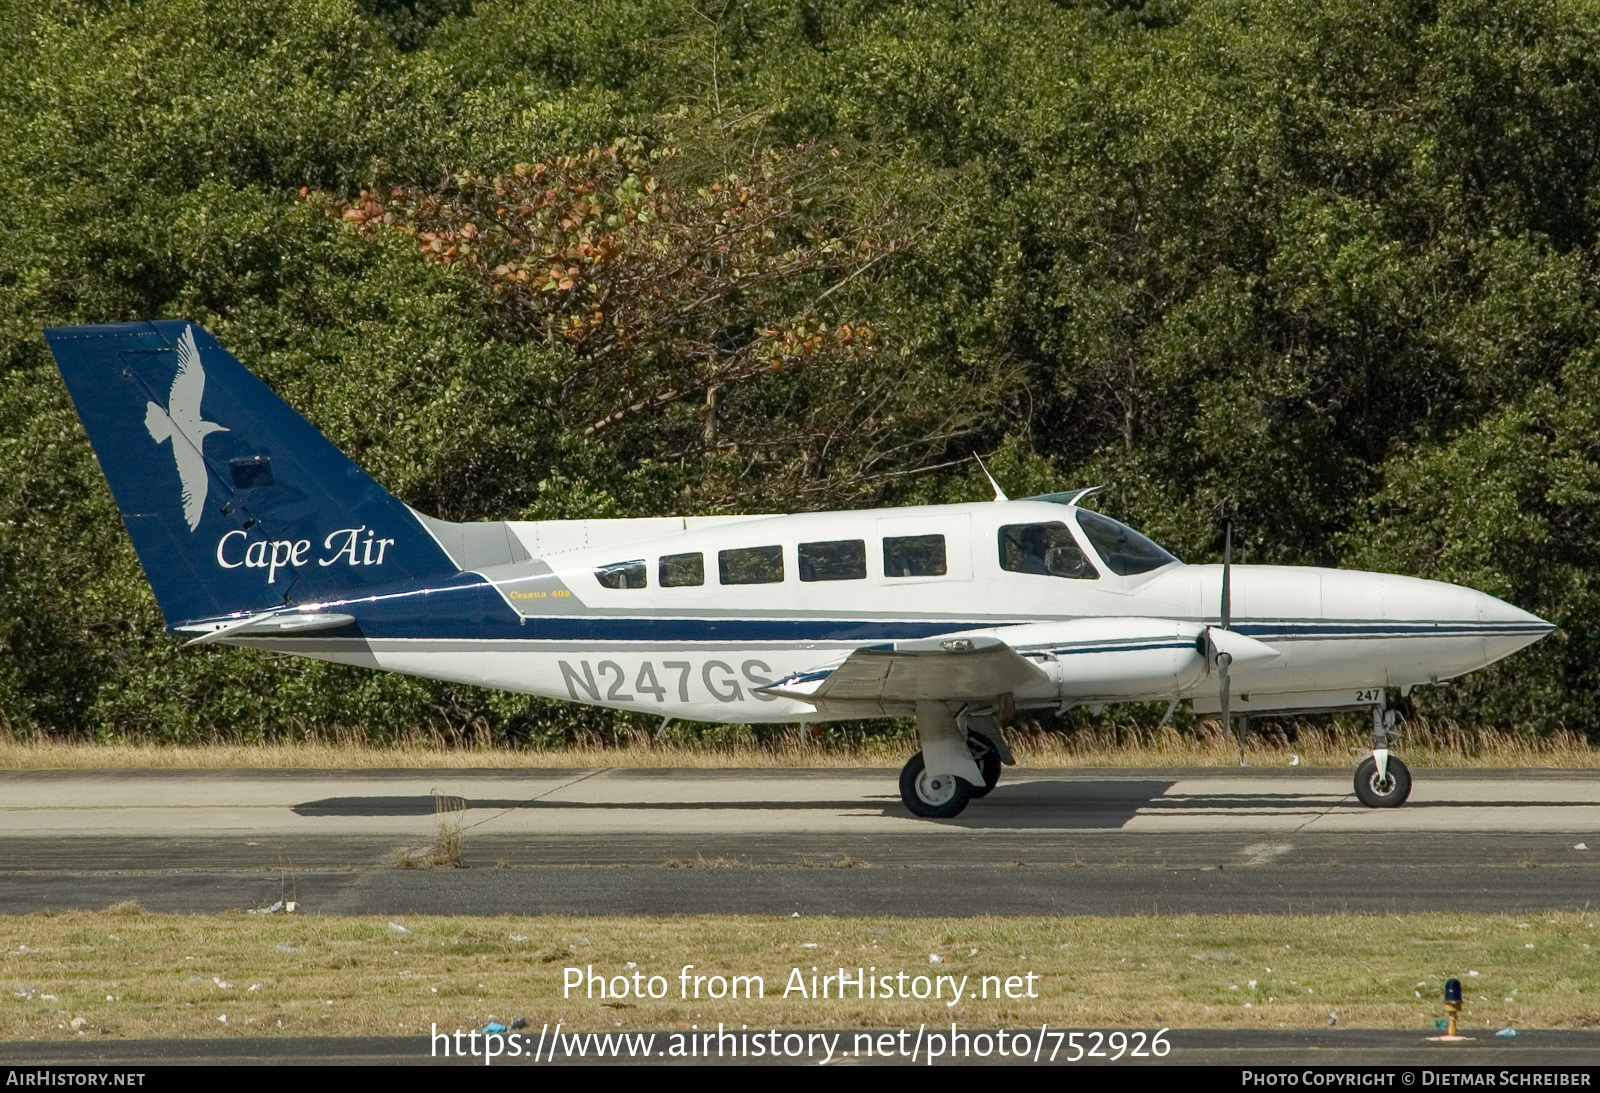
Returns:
point(254, 530)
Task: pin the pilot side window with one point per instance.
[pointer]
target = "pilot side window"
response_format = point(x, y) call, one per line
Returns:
point(751, 565)
point(1047, 549)
point(914, 556)
point(841, 560)
point(1124, 550)
point(683, 570)
point(622, 574)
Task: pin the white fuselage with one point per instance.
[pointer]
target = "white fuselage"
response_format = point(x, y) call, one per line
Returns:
point(700, 652)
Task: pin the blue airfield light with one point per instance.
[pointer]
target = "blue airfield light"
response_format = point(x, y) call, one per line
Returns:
point(1452, 1006)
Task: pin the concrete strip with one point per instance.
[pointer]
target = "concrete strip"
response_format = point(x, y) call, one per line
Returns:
point(617, 802)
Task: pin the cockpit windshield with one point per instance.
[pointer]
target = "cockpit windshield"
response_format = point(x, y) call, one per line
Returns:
point(1124, 550)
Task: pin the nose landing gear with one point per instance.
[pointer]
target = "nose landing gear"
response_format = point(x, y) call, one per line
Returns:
point(1382, 781)
point(1386, 790)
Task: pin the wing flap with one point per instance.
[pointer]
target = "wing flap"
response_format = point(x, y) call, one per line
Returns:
point(948, 669)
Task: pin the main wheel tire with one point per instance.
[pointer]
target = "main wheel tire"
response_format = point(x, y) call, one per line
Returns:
point(1388, 792)
point(934, 797)
point(988, 761)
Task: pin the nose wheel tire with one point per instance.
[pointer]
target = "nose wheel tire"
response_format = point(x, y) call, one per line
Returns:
point(1387, 792)
point(936, 797)
point(989, 766)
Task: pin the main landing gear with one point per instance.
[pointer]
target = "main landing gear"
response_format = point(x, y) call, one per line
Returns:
point(1382, 781)
point(941, 794)
point(932, 796)
point(987, 756)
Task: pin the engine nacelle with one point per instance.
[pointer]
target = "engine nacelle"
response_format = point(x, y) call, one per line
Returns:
point(1111, 658)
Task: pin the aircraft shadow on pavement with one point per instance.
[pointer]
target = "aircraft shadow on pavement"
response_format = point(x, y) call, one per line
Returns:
point(1062, 805)
point(1033, 804)
point(1039, 803)
point(414, 805)
point(428, 806)
point(1074, 803)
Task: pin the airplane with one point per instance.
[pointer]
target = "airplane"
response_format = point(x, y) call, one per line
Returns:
point(254, 530)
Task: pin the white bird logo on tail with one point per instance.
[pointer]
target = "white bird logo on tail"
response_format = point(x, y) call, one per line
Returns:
point(180, 423)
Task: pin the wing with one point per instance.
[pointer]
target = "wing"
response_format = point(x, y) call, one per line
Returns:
point(889, 679)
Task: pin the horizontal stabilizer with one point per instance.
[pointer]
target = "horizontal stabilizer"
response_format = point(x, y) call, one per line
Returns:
point(267, 623)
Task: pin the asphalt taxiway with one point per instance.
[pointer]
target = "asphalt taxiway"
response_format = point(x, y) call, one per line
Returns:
point(1086, 841)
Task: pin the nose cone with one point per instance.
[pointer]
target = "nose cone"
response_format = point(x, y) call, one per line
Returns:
point(1507, 628)
point(1419, 631)
point(1440, 630)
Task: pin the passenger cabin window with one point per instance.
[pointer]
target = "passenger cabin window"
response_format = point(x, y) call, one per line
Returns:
point(914, 556)
point(751, 565)
point(1047, 549)
point(1124, 550)
point(840, 560)
point(622, 574)
point(682, 570)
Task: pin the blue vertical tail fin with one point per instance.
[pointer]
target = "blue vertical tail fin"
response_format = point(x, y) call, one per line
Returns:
point(234, 502)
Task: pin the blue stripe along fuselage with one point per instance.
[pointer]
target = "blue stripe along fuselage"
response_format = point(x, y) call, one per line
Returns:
point(1325, 630)
point(467, 607)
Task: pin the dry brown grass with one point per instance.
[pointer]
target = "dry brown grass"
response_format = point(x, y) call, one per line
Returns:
point(1423, 744)
point(140, 975)
point(51, 755)
point(448, 841)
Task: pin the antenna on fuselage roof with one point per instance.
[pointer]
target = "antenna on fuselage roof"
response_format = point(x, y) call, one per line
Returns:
point(999, 494)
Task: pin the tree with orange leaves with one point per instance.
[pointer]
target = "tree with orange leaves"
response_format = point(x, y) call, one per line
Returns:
point(663, 292)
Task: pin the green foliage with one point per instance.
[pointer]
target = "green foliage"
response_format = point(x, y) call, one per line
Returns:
point(1329, 270)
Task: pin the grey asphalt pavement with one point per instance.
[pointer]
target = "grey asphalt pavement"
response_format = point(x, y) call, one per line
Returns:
point(661, 842)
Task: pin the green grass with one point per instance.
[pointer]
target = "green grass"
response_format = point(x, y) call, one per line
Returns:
point(127, 973)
